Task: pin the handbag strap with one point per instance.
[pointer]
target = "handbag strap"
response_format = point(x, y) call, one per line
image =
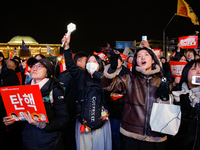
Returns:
point(170, 100)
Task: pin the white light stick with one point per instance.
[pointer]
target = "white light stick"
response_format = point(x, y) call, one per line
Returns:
point(70, 28)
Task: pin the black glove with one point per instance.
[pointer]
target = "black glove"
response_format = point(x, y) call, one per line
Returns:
point(114, 61)
point(163, 90)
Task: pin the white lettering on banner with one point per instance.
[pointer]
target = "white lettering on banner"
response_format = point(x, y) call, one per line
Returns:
point(177, 69)
point(17, 101)
point(93, 109)
point(30, 100)
point(188, 42)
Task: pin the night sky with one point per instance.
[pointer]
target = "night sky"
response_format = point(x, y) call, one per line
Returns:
point(97, 22)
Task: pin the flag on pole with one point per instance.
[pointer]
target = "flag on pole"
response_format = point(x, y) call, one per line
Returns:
point(49, 50)
point(24, 47)
point(108, 46)
point(184, 10)
point(107, 50)
point(11, 55)
point(126, 51)
point(133, 45)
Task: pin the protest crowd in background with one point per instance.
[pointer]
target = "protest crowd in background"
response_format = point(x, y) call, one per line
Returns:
point(137, 99)
point(125, 85)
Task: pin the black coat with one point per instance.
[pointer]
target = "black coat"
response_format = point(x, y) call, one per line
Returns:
point(188, 136)
point(49, 138)
point(71, 92)
point(78, 75)
point(8, 77)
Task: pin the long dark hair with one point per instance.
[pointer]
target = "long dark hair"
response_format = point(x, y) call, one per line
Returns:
point(101, 68)
point(186, 69)
point(154, 57)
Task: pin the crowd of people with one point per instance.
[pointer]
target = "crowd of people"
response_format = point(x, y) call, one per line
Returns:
point(125, 93)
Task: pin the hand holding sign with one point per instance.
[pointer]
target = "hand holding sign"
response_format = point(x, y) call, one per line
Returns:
point(8, 120)
point(70, 28)
point(20, 99)
point(29, 118)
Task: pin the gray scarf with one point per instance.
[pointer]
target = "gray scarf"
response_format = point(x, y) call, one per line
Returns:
point(194, 94)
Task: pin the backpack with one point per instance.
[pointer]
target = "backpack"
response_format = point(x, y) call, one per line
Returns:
point(93, 113)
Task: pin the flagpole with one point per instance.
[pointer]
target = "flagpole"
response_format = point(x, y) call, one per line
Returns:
point(164, 34)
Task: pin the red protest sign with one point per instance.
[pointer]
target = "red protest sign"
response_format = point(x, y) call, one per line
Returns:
point(27, 69)
point(115, 96)
point(62, 65)
point(188, 42)
point(124, 57)
point(176, 68)
point(20, 99)
point(157, 52)
point(101, 55)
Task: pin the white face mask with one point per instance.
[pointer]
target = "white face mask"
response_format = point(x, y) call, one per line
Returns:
point(91, 67)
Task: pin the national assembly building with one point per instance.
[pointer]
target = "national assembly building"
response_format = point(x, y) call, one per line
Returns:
point(34, 47)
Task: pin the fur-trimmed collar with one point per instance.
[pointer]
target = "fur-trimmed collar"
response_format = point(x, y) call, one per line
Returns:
point(152, 72)
point(109, 75)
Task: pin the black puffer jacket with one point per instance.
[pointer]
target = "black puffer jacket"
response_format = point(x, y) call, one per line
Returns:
point(49, 138)
point(71, 92)
point(8, 77)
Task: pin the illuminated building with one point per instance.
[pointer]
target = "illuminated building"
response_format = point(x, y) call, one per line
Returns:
point(33, 46)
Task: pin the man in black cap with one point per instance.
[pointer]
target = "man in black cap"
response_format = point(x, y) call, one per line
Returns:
point(8, 77)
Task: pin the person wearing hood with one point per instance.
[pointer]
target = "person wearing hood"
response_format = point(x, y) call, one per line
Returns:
point(139, 89)
point(130, 60)
point(41, 135)
point(189, 54)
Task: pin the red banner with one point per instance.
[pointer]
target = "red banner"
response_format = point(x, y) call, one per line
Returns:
point(188, 42)
point(62, 65)
point(27, 69)
point(20, 99)
point(124, 57)
point(101, 55)
point(115, 96)
point(157, 52)
point(176, 68)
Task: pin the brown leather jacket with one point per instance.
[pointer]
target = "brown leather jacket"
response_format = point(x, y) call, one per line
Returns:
point(140, 94)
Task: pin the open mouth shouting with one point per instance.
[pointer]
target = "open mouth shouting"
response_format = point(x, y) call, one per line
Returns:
point(143, 62)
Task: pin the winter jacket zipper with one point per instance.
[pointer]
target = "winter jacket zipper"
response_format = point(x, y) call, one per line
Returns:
point(147, 107)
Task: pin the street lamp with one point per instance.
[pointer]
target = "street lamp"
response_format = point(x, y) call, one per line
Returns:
point(164, 34)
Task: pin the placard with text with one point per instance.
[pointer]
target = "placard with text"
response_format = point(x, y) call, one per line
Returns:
point(157, 52)
point(176, 68)
point(20, 99)
point(188, 42)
